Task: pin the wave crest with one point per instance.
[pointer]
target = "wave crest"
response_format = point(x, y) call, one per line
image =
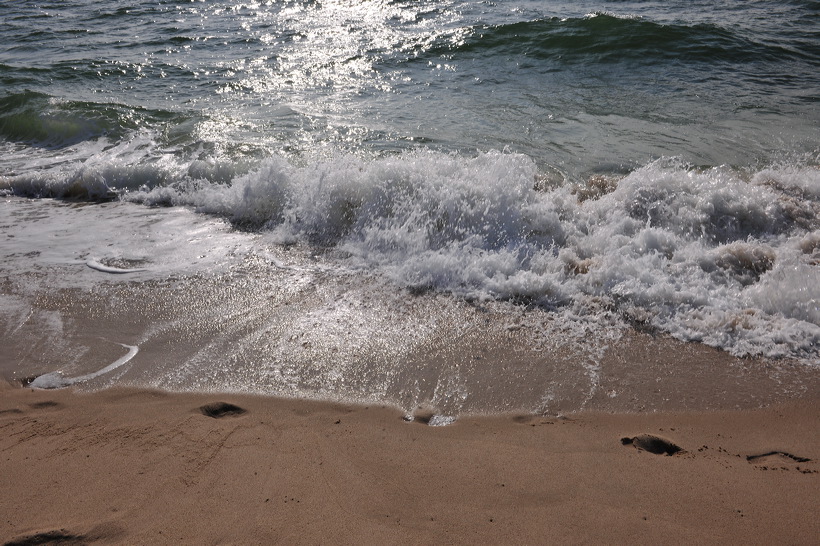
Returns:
point(697, 253)
point(605, 38)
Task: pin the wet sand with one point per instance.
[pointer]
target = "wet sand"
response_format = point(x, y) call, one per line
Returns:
point(360, 339)
point(141, 466)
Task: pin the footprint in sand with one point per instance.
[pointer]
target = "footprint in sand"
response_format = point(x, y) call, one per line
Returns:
point(49, 537)
point(46, 404)
point(105, 532)
point(652, 444)
point(217, 410)
point(779, 460)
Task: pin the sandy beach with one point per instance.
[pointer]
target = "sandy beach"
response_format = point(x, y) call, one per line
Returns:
point(141, 466)
point(430, 272)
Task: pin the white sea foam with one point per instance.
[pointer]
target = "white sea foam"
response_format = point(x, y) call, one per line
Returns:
point(722, 256)
point(441, 420)
point(94, 264)
point(56, 380)
point(95, 241)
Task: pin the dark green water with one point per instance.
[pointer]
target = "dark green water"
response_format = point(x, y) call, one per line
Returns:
point(576, 86)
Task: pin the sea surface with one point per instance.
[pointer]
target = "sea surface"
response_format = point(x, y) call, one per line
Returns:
point(293, 188)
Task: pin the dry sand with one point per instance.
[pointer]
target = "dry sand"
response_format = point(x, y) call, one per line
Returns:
point(145, 467)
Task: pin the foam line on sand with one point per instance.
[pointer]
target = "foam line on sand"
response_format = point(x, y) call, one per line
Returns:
point(56, 380)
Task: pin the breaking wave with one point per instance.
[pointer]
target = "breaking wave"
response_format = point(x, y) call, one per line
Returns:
point(723, 256)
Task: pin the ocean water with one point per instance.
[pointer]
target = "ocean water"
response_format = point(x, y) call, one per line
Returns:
point(579, 169)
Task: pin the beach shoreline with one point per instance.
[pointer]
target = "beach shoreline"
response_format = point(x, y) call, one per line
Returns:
point(137, 466)
point(409, 272)
point(279, 322)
